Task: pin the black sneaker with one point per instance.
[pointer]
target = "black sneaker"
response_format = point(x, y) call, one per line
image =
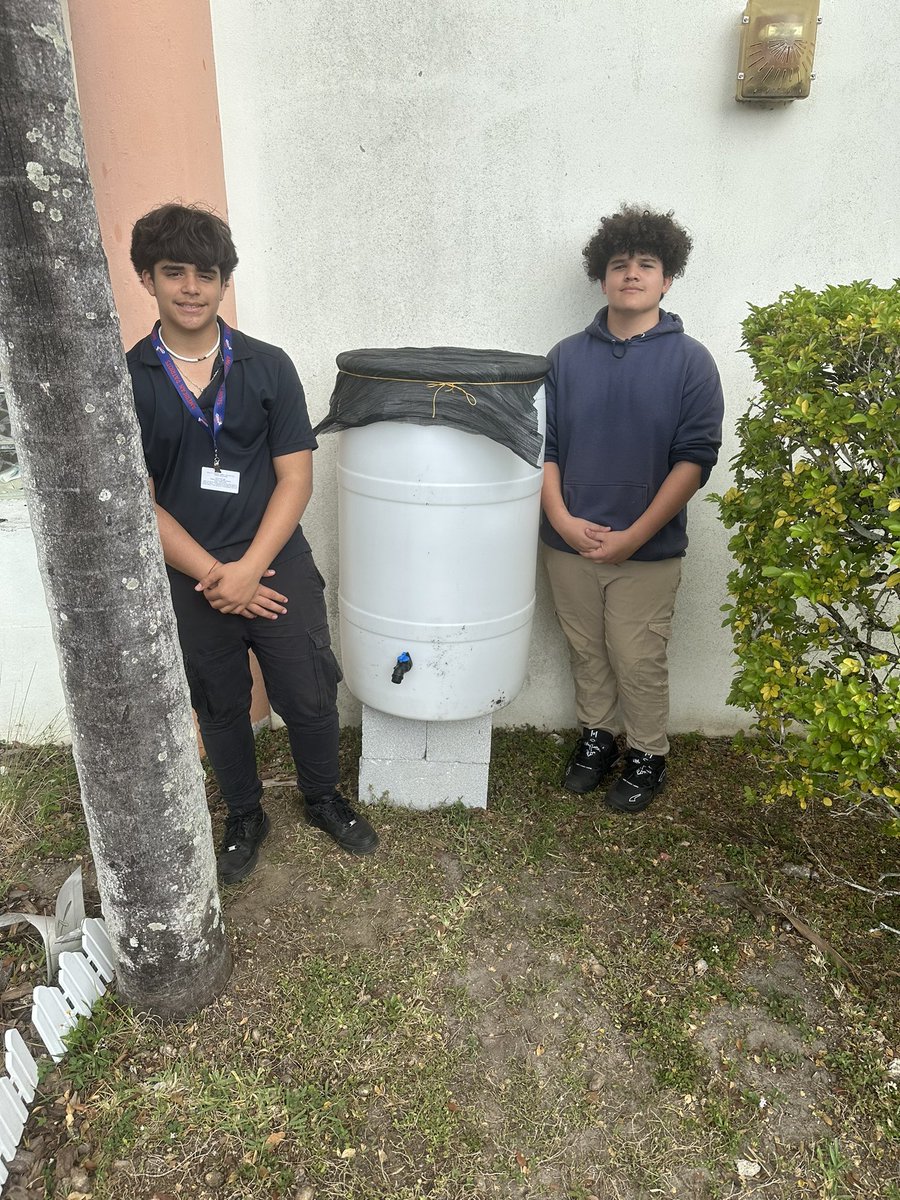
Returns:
point(244, 834)
point(643, 776)
point(592, 759)
point(334, 816)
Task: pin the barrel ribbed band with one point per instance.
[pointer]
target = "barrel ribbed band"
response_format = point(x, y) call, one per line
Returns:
point(412, 631)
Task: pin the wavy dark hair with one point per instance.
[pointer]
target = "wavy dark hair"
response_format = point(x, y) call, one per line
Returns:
point(633, 230)
point(183, 234)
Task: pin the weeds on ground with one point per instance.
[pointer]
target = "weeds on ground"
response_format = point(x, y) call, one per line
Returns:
point(540, 1000)
point(40, 805)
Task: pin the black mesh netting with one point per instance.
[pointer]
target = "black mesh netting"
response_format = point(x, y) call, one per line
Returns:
point(490, 392)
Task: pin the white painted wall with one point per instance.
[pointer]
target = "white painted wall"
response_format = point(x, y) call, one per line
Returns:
point(402, 173)
point(418, 174)
point(32, 707)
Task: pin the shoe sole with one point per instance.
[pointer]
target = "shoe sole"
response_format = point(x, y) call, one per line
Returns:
point(249, 865)
point(359, 850)
point(630, 808)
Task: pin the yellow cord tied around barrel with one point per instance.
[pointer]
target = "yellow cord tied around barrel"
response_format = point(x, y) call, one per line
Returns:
point(451, 387)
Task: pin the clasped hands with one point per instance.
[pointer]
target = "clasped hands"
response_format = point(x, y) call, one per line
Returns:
point(600, 543)
point(237, 588)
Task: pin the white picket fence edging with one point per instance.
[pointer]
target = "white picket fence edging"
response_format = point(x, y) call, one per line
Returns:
point(84, 976)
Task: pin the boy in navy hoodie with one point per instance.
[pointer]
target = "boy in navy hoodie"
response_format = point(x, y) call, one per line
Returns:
point(634, 424)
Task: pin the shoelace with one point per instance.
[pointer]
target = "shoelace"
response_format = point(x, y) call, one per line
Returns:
point(640, 766)
point(235, 832)
point(589, 749)
point(341, 809)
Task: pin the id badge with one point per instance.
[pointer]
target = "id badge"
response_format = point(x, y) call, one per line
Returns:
point(212, 480)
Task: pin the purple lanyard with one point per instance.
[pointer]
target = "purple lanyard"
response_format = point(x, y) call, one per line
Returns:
point(184, 392)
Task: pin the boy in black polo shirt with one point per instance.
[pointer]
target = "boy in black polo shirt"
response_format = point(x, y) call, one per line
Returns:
point(228, 446)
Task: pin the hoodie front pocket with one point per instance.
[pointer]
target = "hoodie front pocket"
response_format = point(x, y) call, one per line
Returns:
point(617, 505)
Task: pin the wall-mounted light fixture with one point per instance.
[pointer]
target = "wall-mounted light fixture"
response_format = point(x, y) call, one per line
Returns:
point(778, 41)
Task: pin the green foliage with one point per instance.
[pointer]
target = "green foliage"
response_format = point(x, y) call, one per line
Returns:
point(816, 509)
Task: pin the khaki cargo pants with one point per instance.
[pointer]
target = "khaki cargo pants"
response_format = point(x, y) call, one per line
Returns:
point(617, 621)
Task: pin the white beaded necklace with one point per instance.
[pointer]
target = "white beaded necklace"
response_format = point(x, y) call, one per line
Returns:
point(184, 357)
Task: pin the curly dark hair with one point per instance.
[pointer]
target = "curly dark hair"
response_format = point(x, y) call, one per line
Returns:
point(633, 230)
point(183, 234)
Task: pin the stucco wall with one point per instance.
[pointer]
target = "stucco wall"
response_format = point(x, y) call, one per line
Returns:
point(409, 174)
point(401, 173)
point(32, 707)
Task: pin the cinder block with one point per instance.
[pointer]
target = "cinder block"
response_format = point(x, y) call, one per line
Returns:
point(422, 784)
point(388, 737)
point(459, 741)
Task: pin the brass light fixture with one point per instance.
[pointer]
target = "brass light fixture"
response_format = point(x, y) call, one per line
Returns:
point(778, 42)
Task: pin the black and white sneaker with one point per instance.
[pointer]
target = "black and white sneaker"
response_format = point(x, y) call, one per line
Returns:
point(643, 777)
point(244, 834)
point(334, 816)
point(591, 760)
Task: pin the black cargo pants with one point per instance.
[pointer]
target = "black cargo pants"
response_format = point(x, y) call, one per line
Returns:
point(300, 673)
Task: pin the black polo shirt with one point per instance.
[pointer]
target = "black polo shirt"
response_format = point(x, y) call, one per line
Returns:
point(265, 416)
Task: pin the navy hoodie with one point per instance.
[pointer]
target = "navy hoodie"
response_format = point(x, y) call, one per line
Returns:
point(620, 414)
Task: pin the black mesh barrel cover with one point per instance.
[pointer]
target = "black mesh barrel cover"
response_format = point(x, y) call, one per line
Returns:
point(490, 392)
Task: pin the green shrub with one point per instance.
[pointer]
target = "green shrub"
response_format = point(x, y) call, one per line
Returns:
point(816, 509)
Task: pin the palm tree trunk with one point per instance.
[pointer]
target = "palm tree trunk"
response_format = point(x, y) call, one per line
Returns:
point(85, 482)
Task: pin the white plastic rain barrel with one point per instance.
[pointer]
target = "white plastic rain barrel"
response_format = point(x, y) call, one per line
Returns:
point(438, 543)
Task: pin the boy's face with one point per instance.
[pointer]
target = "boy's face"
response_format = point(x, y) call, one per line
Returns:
point(188, 297)
point(635, 284)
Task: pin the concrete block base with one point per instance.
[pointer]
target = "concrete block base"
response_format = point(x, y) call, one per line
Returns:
point(424, 764)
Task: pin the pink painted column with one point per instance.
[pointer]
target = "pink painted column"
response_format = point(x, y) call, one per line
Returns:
point(147, 90)
point(150, 109)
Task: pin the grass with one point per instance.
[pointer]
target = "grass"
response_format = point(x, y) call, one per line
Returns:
point(541, 1000)
point(833, 1169)
point(40, 804)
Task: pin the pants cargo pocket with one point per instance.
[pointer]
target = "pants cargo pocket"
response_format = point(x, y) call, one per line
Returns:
point(325, 668)
point(652, 669)
point(219, 682)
